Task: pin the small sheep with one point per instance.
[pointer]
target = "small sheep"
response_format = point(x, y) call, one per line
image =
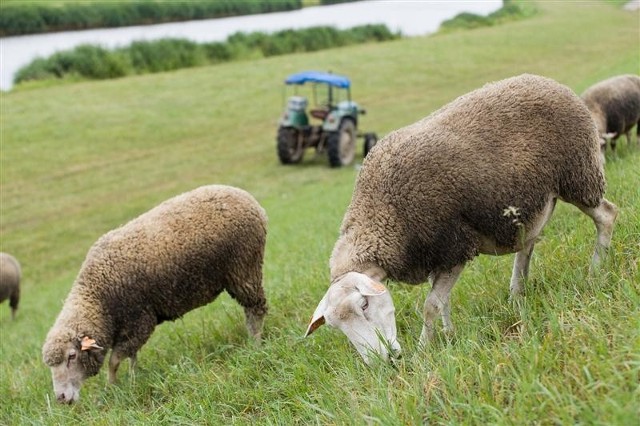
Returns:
point(480, 175)
point(615, 106)
point(10, 274)
point(170, 260)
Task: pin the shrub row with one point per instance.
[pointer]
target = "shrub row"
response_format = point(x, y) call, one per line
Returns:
point(329, 2)
point(141, 57)
point(511, 10)
point(39, 17)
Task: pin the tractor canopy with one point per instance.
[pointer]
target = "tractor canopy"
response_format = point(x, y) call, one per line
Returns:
point(334, 80)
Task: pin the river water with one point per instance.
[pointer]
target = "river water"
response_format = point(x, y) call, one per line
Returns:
point(411, 17)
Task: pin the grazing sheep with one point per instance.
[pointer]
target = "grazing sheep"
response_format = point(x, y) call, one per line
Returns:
point(615, 106)
point(481, 175)
point(10, 281)
point(176, 257)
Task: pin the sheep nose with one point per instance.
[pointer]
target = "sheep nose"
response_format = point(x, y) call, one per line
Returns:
point(63, 399)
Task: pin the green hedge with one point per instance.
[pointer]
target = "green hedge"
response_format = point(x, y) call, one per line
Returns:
point(141, 57)
point(330, 2)
point(29, 18)
point(510, 10)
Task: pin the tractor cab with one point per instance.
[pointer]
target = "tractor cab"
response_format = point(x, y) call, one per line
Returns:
point(320, 113)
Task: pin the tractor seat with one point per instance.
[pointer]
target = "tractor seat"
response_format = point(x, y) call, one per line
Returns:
point(319, 113)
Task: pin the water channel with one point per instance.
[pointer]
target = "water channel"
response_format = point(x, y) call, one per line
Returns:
point(410, 17)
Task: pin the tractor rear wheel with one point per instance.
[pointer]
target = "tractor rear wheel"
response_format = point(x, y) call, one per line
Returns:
point(341, 145)
point(290, 145)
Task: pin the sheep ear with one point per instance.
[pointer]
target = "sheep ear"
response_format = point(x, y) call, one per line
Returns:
point(318, 316)
point(87, 343)
point(370, 287)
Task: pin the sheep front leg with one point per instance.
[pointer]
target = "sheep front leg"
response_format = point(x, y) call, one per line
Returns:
point(114, 363)
point(604, 217)
point(437, 303)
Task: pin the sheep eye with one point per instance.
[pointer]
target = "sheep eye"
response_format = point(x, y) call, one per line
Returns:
point(365, 303)
point(71, 358)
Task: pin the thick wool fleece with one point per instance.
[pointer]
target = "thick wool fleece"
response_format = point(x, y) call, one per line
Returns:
point(10, 274)
point(176, 257)
point(615, 104)
point(428, 194)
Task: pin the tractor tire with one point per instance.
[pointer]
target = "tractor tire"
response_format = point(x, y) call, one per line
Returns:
point(341, 145)
point(370, 140)
point(290, 147)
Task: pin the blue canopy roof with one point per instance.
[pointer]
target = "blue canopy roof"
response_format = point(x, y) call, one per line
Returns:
point(319, 77)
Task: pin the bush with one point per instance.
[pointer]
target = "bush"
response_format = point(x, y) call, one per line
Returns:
point(94, 62)
point(165, 55)
point(23, 20)
point(511, 10)
point(18, 18)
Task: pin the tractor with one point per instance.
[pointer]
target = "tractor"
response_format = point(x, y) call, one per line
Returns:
point(336, 120)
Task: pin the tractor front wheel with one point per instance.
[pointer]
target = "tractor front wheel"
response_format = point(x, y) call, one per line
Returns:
point(290, 145)
point(341, 145)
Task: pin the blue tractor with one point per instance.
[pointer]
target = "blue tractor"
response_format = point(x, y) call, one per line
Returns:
point(335, 130)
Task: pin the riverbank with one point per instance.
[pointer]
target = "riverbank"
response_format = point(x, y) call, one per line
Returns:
point(409, 18)
point(146, 57)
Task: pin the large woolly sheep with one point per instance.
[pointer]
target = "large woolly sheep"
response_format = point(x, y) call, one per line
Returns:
point(10, 274)
point(174, 258)
point(481, 175)
point(615, 106)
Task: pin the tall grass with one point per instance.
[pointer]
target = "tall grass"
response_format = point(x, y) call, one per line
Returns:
point(78, 160)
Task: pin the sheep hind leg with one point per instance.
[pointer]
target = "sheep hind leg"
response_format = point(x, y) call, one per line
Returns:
point(250, 295)
point(437, 303)
point(604, 216)
point(255, 322)
point(521, 268)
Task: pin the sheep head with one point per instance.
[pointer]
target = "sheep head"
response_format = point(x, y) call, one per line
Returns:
point(363, 310)
point(72, 360)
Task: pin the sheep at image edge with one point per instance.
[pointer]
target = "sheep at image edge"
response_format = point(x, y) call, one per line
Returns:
point(615, 106)
point(174, 258)
point(479, 176)
point(10, 275)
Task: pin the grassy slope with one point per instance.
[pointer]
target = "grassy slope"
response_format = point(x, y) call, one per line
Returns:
point(80, 159)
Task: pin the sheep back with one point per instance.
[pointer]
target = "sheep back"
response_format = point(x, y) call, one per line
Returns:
point(615, 103)
point(427, 193)
point(10, 275)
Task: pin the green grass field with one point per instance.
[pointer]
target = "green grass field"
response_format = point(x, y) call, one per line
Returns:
point(80, 159)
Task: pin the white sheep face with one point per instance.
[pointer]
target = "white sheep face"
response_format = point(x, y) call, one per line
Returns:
point(363, 309)
point(73, 361)
point(68, 377)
